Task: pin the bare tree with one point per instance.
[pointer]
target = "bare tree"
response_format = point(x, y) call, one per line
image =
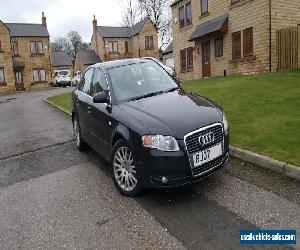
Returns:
point(159, 12)
point(60, 44)
point(71, 44)
point(74, 44)
point(130, 12)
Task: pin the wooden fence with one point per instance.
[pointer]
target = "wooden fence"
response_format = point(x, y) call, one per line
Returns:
point(288, 48)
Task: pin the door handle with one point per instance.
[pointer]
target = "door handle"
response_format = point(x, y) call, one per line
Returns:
point(89, 110)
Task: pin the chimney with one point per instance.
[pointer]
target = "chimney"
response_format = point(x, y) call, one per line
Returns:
point(94, 24)
point(44, 22)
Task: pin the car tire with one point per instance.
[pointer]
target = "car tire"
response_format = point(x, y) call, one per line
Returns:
point(124, 170)
point(81, 145)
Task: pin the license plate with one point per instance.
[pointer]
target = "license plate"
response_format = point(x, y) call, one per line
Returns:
point(207, 155)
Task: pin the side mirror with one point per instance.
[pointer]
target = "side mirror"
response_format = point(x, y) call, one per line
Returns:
point(101, 97)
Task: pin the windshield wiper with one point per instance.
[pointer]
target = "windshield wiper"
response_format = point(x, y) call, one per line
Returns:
point(146, 95)
point(171, 90)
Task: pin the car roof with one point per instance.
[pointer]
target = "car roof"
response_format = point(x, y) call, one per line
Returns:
point(118, 63)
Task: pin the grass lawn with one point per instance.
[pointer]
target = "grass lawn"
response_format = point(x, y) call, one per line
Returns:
point(64, 101)
point(263, 111)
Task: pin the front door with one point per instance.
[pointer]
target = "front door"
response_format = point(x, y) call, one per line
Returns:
point(19, 80)
point(206, 72)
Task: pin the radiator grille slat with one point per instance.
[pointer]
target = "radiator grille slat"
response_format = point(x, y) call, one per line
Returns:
point(193, 146)
point(192, 141)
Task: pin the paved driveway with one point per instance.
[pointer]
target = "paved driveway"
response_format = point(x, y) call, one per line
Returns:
point(52, 196)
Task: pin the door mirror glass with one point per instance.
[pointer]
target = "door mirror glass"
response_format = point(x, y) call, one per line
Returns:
point(101, 97)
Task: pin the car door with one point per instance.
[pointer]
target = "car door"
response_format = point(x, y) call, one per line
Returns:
point(84, 102)
point(101, 115)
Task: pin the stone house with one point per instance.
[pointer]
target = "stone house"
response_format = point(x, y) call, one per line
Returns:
point(168, 57)
point(60, 60)
point(228, 37)
point(24, 55)
point(112, 43)
point(84, 59)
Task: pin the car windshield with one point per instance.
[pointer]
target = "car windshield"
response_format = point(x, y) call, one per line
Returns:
point(136, 81)
point(63, 73)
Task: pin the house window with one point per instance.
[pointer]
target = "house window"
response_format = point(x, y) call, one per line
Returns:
point(0, 47)
point(126, 46)
point(113, 46)
point(2, 79)
point(248, 42)
point(15, 48)
point(204, 6)
point(186, 58)
point(188, 14)
point(236, 45)
point(183, 59)
point(185, 15)
point(149, 42)
point(39, 75)
point(219, 47)
point(36, 48)
point(181, 17)
point(189, 56)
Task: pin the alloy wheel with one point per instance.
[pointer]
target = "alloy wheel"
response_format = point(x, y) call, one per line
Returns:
point(124, 169)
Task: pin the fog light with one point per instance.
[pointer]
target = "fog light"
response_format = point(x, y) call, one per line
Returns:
point(164, 180)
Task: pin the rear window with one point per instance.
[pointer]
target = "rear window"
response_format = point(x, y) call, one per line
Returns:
point(63, 73)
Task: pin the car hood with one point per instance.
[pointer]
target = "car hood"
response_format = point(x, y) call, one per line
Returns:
point(175, 113)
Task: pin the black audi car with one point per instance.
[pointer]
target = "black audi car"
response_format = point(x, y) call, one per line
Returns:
point(153, 133)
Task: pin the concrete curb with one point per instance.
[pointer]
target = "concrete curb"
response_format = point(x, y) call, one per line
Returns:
point(256, 159)
point(266, 162)
point(56, 106)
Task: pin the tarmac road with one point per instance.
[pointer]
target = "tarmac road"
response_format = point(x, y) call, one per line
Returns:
point(53, 196)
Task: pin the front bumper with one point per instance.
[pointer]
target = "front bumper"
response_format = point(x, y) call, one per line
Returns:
point(175, 166)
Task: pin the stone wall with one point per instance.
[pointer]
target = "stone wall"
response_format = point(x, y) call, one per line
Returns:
point(6, 59)
point(33, 61)
point(243, 15)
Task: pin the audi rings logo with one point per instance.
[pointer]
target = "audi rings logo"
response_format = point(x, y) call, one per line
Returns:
point(206, 139)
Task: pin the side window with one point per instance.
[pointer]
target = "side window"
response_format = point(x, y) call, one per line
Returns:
point(87, 80)
point(99, 82)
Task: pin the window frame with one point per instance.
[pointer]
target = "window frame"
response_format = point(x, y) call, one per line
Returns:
point(113, 46)
point(82, 83)
point(15, 48)
point(185, 12)
point(36, 46)
point(183, 21)
point(126, 47)
point(218, 39)
point(39, 75)
point(234, 44)
point(248, 51)
point(1, 47)
point(189, 50)
point(201, 5)
point(184, 59)
point(147, 47)
point(92, 81)
point(2, 83)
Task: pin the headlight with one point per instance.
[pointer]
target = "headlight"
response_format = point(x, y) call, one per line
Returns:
point(225, 122)
point(160, 142)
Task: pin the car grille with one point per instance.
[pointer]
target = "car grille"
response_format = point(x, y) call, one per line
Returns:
point(192, 141)
point(207, 166)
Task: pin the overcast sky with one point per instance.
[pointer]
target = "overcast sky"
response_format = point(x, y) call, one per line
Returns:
point(63, 15)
